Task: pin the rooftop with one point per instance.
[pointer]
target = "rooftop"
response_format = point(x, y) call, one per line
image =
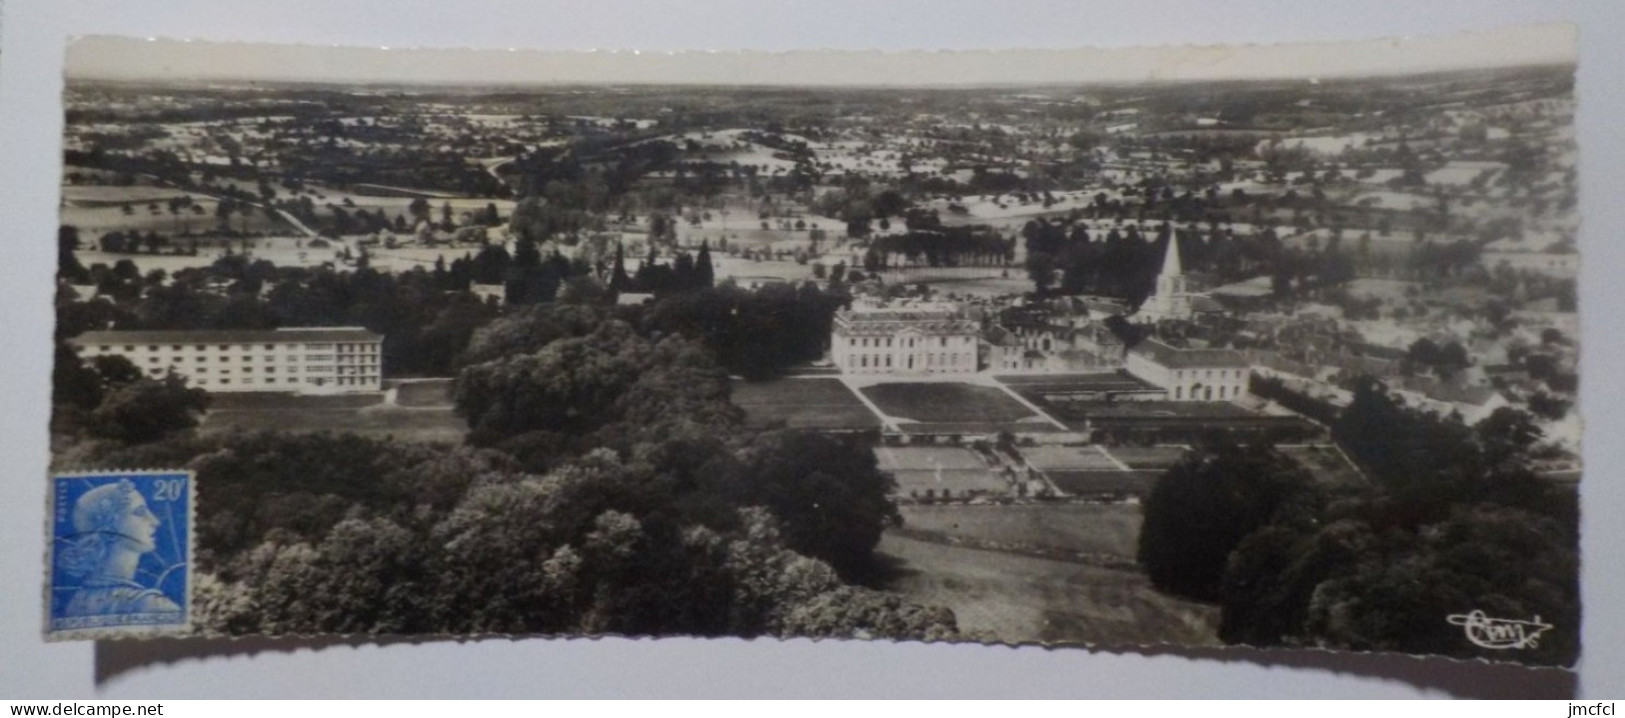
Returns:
point(231, 336)
point(1177, 358)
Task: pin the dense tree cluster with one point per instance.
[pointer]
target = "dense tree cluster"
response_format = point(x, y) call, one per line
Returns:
point(1453, 520)
point(110, 399)
point(426, 316)
point(1203, 507)
point(753, 333)
point(601, 384)
point(590, 390)
point(686, 272)
point(319, 534)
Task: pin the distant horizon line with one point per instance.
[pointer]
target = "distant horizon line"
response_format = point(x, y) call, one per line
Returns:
point(641, 84)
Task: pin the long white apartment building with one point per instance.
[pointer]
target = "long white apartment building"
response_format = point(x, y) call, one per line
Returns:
point(305, 360)
point(905, 339)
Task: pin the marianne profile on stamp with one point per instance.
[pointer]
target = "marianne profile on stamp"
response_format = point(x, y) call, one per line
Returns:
point(115, 529)
point(121, 553)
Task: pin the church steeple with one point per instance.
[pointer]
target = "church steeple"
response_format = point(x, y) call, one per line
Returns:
point(1170, 259)
point(1171, 300)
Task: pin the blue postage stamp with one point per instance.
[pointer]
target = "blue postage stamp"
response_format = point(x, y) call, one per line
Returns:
point(120, 554)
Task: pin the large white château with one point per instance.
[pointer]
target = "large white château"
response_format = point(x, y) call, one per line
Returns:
point(906, 339)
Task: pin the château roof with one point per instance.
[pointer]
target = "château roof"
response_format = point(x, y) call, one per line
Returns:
point(928, 320)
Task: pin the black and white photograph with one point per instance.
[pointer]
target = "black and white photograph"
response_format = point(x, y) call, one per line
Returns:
point(1266, 346)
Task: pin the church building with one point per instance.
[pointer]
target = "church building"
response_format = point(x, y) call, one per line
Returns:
point(1172, 299)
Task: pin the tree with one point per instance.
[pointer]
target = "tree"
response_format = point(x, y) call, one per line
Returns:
point(1202, 508)
point(419, 210)
point(827, 491)
point(576, 385)
point(1041, 269)
point(704, 274)
point(68, 267)
point(618, 279)
point(147, 410)
point(1503, 561)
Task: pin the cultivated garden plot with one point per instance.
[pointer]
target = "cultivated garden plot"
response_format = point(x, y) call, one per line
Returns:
point(817, 403)
point(1068, 458)
point(947, 403)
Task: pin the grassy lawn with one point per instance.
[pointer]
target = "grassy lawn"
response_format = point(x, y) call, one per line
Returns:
point(1154, 458)
point(999, 596)
point(1101, 530)
point(802, 403)
point(1326, 463)
point(949, 483)
point(1093, 381)
point(271, 401)
point(946, 403)
point(1090, 483)
point(936, 471)
point(1031, 425)
point(421, 425)
point(1204, 409)
point(427, 392)
point(1066, 458)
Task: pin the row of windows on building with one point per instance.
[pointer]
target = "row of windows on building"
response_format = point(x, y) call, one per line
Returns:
point(272, 359)
point(887, 341)
point(884, 361)
point(314, 381)
point(1208, 393)
point(1208, 373)
point(341, 348)
point(271, 369)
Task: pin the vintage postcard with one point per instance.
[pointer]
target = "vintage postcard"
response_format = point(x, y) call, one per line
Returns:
point(1265, 346)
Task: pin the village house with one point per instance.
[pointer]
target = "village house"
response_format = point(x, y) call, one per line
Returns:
point(1189, 374)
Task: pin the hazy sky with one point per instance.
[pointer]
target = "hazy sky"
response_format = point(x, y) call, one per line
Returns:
point(136, 59)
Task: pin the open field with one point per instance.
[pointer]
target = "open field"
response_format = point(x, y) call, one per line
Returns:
point(273, 401)
point(1327, 464)
point(927, 458)
point(419, 425)
point(1155, 458)
point(1105, 532)
point(117, 194)
point(1202, 409)
point(1067, 458)
point(938, 471)
point(822, 403)
point(424, 393)
point(975, 286)
point(946, 403)
point(949, 484)
point(1104, 483)
point(1012, 598)
point(1025, 426)
point(95, 219)
point(1030, 385)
